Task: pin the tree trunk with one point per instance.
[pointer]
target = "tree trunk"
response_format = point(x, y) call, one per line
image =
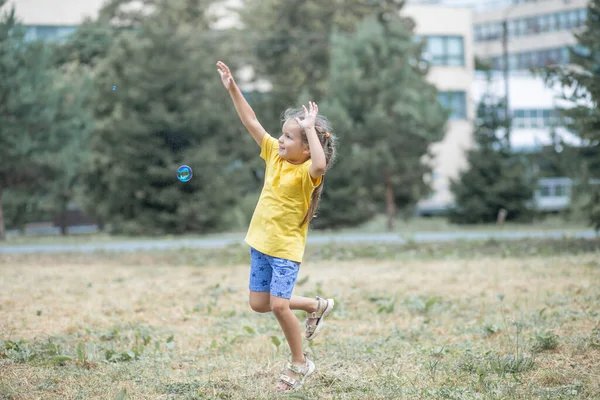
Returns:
point(100, 223)
point(389, 199)
point(64, 229)
point(2, 234)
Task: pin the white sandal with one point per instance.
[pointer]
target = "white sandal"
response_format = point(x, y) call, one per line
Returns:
point(324, 308)
point(303, 373)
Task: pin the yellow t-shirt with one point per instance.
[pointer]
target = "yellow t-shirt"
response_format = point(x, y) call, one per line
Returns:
point(285, 198)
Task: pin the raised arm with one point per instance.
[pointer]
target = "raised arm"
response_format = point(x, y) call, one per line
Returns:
point(245, 112)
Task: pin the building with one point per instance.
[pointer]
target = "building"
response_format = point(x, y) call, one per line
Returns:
point(449, 50)
point(56, 19)
point(533, 107)
point(538, 32)
point(51, 19)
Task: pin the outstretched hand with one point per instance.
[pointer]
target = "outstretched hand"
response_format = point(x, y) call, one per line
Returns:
point(226, 76)
point(310, 116)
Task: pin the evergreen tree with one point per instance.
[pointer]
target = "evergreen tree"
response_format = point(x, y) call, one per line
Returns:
point(496, 179)
point(291, 39)
point(581, 82)
point(67, 168)
point(289, 43)
point(390, 118)
point(159, 106)
point(81, 54)
point(35, 110)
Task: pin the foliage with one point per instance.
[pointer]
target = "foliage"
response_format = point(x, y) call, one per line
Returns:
point(581, 84)
point(40, 111)
point(496, 178)
point(387, 115)
point(158, 107)
point(291, 40)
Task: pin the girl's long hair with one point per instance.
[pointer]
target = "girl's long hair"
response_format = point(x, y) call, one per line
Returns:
point(322, 126)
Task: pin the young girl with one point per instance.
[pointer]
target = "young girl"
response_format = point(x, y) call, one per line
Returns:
point(295, 165)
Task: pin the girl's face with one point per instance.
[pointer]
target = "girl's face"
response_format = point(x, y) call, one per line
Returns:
point(291, 146)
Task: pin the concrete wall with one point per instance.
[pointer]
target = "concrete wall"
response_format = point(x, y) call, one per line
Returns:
point(55, 12)
point(519, 44)
point(526, 92)
point(450, 156)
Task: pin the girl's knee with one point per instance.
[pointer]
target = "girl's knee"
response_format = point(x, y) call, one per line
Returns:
point(260, 307)
point(280, 306)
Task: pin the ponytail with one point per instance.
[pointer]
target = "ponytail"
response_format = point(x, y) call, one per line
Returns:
point(328, 143)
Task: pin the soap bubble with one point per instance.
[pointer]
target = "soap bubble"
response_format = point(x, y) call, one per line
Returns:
point(114, 88)
point(184, 173)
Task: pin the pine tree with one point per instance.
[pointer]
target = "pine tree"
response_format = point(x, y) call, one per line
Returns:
point(159, 106)
point(581, 82)
point(290, 46)
point(390, 118)
point(35, 110)
point(495, 179)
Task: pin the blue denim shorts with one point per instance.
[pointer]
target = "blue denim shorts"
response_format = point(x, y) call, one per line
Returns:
point(272, 274)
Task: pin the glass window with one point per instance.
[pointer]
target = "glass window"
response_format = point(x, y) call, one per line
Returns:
point(552, 22)
point(477, 33)
point(553, 56)
point(573, 19)
point(563, 21)
point(564, 55)
point(533, 59)
point(497, 63)
point(522, 27)
point(543, 23)
point(545, 191)
point(582, 16)
point(48, 32)
point(455, 102)
point(455, 51)
point(495, 31)
point(446, 50)
point(435, 49)
point(513, 62)
point(523, 61)
point(533, 25)
point(542, 58)
point(512, 28)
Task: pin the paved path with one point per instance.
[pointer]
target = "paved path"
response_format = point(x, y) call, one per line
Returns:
point(422, 237)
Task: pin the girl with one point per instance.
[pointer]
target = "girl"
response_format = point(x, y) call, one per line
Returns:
point(295, 165)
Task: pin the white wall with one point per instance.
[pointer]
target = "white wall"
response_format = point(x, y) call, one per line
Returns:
point(56, 12)
point(450, 153)
point(525, 92)
point(527, 43)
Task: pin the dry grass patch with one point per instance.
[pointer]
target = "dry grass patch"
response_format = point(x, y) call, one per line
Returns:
point(487, 327)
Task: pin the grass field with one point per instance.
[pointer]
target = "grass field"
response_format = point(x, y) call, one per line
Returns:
point(375, 226)
point(488, 320)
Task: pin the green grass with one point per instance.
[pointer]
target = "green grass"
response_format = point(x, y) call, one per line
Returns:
point(376, 226)
point(441, 224)
point(464, 320)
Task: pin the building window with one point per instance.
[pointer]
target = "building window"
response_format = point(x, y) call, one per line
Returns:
point(455, 102)
point(445, 50)
point(583, 16)
point(534, 118)
point(560, 190)
point(559, 21)
point(533, 59)
point(48, 32)
point(545, 191)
